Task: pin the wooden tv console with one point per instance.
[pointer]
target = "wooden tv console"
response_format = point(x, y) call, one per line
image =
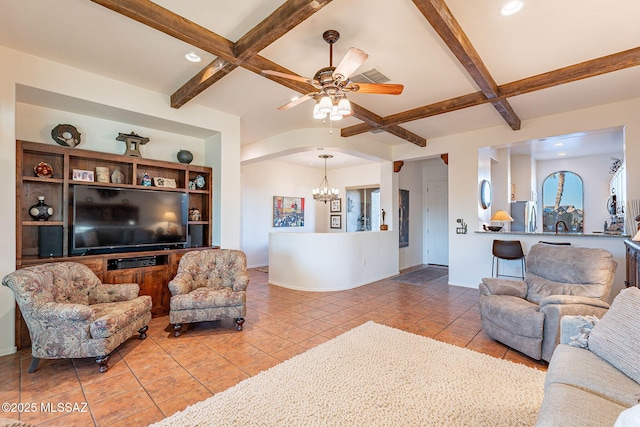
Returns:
point(152, 269)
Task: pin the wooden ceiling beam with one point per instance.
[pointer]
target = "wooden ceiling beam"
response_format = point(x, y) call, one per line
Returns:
point(370, 119)
point(174, 25)
point(283, 19)
point(201, 81)
point(447, 27)
point(276, 25)
point(243, 53)
point(583, 70)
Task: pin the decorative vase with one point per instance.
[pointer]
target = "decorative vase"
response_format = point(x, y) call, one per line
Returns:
point(41, 211)
point(185, 156)
point(146, 180)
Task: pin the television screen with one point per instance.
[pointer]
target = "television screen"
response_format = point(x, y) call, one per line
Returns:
point(117, 219)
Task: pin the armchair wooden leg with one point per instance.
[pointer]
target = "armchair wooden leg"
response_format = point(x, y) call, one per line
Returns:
point(176, 329)
point(34, 364)
point(240, 321)
point(143, 332)
point(102, 363)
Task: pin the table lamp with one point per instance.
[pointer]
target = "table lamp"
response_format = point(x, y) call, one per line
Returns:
point(500, 216)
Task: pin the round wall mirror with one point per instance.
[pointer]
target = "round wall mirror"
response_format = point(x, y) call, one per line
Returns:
point(485, 194)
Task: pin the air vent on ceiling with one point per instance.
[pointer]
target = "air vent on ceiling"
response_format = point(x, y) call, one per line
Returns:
point(371, 76)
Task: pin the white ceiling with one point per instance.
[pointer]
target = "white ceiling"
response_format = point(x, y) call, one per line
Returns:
point(545, 35)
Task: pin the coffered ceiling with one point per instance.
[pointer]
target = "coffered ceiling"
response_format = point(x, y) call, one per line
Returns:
point(463, 65)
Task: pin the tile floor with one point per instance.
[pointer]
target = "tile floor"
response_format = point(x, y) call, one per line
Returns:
point(152, 379)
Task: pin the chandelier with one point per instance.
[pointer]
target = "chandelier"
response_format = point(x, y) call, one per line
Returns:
point(324, 193)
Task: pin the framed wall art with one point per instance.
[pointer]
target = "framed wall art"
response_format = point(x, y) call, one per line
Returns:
point(336, 205)
point(288, 211)
point(336, 221)
point(404, 218)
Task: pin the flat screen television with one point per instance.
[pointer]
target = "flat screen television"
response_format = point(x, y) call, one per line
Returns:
point(123, 219)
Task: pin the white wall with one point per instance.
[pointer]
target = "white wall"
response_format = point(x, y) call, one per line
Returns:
point(260, 182)
point(34, 123)
point(470, 254)
point(299, 260)
point(522, 176)
point(263, 180)
point(411, 178)
point(501, 182)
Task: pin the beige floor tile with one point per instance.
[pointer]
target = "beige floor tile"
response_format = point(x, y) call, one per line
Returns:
point(153, 378)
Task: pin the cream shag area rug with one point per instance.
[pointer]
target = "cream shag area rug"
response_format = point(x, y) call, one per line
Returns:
point(374, 375)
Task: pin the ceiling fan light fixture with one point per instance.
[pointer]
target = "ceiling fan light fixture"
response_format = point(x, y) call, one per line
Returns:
point(344, 107)
point(335, 115)
point(511, 8)
point(325, 104)
point(317, 114)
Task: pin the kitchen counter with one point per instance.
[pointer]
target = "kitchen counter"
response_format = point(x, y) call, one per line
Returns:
point(548, 234)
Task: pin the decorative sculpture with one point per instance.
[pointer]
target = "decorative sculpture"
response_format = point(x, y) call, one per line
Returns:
point(133, 141)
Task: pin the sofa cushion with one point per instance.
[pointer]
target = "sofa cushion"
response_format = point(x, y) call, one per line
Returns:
point(539, 287)
point(583, 369)
point(571, 264)
point(615, 337)
point(207, 298)
point(113, 316)
point(567, 406)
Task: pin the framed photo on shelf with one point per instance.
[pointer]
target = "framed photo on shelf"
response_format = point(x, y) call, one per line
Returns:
point(336, 205)
point(336, 221)
point(82, 175)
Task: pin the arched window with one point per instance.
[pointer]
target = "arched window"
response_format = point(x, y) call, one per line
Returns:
point(562, 200)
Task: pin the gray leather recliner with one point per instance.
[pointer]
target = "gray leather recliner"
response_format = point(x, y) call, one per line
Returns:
point(559, 280)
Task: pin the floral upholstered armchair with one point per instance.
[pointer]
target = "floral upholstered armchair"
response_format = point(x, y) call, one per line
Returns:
point(210, 285)
point(71, 314)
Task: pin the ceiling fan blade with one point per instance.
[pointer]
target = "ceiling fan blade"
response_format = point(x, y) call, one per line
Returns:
point(384, 89)
point(296, 102)
point(287, 76)
point(351, 61)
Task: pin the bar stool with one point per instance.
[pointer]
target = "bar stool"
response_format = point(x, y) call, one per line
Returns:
point(508, 250)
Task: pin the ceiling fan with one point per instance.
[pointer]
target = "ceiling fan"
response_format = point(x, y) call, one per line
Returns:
point(332, 83)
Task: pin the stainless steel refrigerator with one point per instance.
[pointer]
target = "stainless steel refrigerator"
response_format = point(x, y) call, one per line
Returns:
point(524, 216)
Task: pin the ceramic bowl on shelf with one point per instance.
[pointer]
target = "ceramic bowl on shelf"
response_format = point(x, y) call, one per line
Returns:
point(43, 170)
point(494, 227)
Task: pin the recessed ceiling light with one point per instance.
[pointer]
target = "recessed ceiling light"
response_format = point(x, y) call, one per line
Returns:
point(562, 154)
point(193, 57)
point(512, 8)
point(558, 144)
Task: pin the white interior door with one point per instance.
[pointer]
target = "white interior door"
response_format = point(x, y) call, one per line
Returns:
point(437, 230)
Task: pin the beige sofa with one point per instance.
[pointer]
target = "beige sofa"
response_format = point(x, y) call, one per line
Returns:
point(594, 374)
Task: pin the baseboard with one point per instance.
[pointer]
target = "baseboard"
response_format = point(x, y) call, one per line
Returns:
point(8, 350)
point(340, 288)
